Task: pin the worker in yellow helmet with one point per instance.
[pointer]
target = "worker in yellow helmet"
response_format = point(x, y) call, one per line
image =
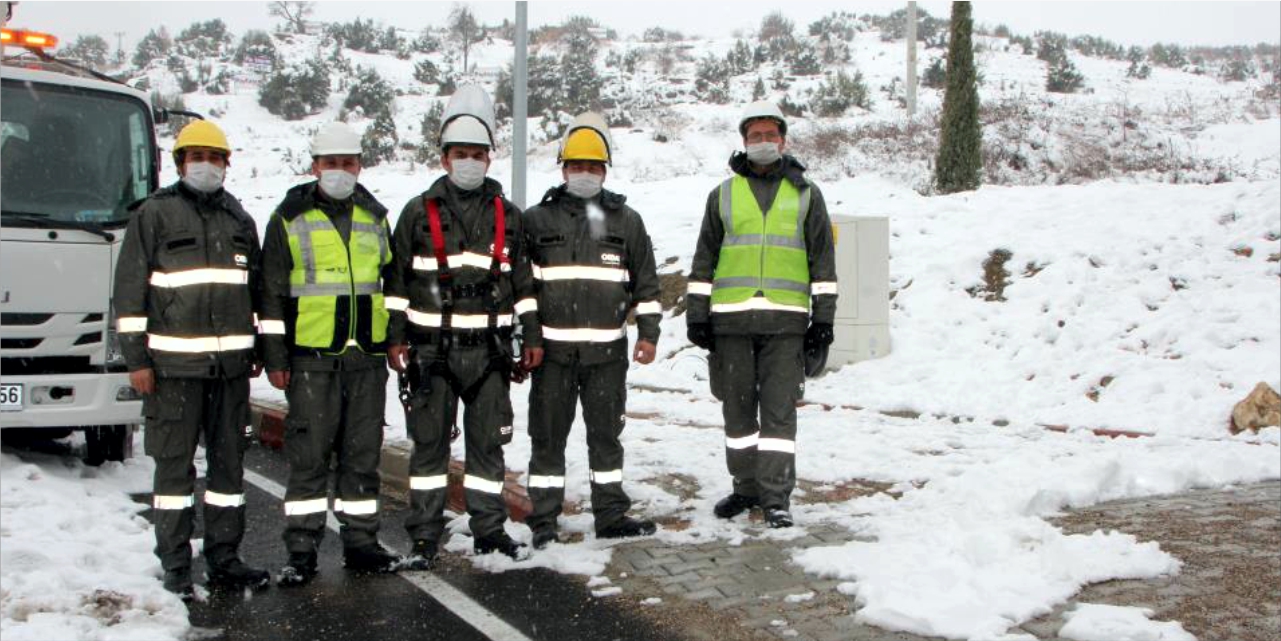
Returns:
point(186, 295)
point(594, 266)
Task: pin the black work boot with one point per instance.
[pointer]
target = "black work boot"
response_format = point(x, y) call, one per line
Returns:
point(500, 542)
point(544, 536)
point(735, 504)
point(776, 518)
point(300, 570)
point(422, 557)
point(372, 559)
point(179, 582)
point(234, 573)
point(627, 527)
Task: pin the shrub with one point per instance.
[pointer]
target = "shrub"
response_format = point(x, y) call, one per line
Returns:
point(839, 93)
point(429, 150)
point(156, 45)
point(258, 48)
point(935, 76)
point(369, 93)
point(296, 92)
point(426, 72)
point(380, 140)
point(204, 40)
point(1062, 77)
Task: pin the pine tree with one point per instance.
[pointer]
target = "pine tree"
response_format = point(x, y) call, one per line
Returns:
point(758, 91)
point(379, 142)
point(960, 159)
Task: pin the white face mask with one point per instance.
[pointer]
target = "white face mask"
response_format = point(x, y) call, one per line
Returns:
point(583, 184)
point(467, 174)
point(764, 153)
point(204, 176)
point(337, 183)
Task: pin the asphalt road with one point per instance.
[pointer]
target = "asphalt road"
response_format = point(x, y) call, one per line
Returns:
point(454, 601)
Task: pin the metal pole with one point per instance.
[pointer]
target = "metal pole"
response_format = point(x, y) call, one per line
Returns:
point(520, 107)
point(911, 59)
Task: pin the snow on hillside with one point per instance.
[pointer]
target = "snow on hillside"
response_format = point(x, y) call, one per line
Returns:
point(1130, 303)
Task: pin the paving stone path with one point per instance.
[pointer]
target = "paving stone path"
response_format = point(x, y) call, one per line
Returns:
point(1228, 590)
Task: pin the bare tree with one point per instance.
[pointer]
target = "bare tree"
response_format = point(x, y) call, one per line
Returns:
point(463, 29)
point(293, 13)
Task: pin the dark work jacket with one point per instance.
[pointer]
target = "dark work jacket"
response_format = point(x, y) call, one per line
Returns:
point(175, 230)
point(467, 224)
point(818, 246)
point(277, 263)
point(561, 233)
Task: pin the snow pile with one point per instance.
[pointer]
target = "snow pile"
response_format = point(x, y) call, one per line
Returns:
point(77, 555)
point(1094, 622)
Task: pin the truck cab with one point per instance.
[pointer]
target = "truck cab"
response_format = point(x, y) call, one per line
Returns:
point(75, 150)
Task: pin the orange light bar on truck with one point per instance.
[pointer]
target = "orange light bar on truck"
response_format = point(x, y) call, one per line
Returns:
point(34, 39)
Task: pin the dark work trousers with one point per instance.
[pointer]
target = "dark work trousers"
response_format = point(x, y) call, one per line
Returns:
point(178, 414)
point(765, 373)
point(557, 389)
point(487, 426)
point(334, 412)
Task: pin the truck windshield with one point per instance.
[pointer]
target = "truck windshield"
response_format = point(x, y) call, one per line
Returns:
point(70, 155)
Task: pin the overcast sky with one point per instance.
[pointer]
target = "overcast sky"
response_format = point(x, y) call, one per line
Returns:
point(1143, 23)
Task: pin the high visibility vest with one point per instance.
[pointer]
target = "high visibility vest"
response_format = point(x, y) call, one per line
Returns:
point(337, 286)
point(762, 253)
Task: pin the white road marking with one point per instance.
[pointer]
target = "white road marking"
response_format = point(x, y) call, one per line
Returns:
point(454, 600)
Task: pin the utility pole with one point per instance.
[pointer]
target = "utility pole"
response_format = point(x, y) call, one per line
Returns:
point(120, 48)
point(520, 109)
point(911, 59)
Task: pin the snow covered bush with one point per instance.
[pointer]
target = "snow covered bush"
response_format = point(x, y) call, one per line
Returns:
point(369, 93)
point(297, 91)
point(838, 93)
point(380, 140)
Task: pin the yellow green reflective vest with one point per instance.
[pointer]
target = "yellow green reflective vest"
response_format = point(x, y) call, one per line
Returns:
point(762, 252)
point(337, 286)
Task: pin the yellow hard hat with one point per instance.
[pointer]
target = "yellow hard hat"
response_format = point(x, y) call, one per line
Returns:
point(585, 144)
point(202, 133)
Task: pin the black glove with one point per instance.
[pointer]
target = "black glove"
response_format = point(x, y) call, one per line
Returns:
point(819, 335)
point(700, 334)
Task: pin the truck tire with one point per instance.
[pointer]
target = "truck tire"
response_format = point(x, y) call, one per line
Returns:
point(107, 443)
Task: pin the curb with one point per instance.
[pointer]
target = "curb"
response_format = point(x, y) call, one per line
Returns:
point(269, 424)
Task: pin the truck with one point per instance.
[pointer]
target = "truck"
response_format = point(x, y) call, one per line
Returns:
point(76, 149)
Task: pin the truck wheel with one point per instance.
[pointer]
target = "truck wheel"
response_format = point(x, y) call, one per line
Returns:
point(107, 443)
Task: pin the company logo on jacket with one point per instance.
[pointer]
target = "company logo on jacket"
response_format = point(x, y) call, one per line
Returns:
point(611, 258)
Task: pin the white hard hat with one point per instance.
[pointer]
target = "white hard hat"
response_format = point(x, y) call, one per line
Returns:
point(469, 102)
point(334, 139)
point(465, 130)
point(762, 109)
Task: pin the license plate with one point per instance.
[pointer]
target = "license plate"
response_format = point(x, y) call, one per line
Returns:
point(10, 397)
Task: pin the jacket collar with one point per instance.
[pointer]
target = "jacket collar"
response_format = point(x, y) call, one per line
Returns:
point(307, 196)
point(787, 167)
point(610, 201)
point(448, 192)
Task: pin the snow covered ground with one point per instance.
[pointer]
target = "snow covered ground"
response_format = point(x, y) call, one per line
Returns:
point(1130, 305)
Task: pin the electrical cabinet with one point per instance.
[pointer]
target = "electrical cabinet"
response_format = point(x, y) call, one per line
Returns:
point(862, 325)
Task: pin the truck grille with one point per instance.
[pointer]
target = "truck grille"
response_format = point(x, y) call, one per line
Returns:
point(37, 365)
point(19, 343)
point(24, 319)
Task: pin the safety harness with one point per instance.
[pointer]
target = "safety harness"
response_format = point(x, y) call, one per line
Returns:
point(448, 292)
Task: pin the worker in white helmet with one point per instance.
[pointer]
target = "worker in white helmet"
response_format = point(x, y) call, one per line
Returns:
point(324, 328)
point(761, 298)
point(461, 275)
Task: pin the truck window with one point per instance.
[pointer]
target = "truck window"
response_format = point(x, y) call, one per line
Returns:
point(72, 154)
